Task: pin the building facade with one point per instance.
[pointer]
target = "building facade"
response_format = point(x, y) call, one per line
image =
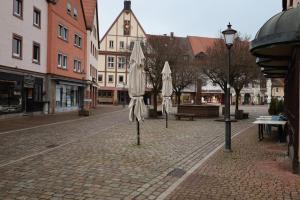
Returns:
point(67, 55)
point(23, 55)
point(115, 50)
point(91, 16)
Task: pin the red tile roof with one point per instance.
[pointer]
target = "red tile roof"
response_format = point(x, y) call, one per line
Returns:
point(89, 7)
point(200, 44)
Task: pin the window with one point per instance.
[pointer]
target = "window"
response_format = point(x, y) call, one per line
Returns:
point(121, 44)
point(18, 8)
point(36, 53)
point(121, 79)
point(37, 17)
point(17, 46)
point(62, 61)
point(131, 46)
point(75, 13)
point(110, 78)
point(277, 90)
point(100, 78)
point(77, 40)
point(77, 66)
point(121, 62)
point(111, 44)
point(63, 32)
point(69, 8)
point(111, 62)
point(126, 27)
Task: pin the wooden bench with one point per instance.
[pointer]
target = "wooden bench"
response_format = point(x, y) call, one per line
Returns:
point(185, 115)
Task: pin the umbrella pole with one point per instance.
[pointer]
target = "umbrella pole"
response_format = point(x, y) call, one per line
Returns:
point(166, 119)
point(137, 128)
point(138, 132)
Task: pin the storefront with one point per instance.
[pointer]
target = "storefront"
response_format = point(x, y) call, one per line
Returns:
point(277, 48)
point(20, 93)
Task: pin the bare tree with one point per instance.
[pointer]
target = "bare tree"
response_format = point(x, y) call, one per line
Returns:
point(243, 69)
point(175, 50)
point(158, 50)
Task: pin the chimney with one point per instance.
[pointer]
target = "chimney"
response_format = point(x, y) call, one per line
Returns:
point(127, 5)
point(172, 34)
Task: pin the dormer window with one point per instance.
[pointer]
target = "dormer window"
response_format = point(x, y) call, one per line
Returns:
point(75, 13)
point(69, 8)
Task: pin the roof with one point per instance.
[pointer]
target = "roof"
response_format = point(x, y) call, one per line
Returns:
point(182, 42)
point(278, 35)
point(200, 44)
point(89, 7)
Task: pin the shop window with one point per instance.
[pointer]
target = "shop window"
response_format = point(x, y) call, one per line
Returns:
point(10, 97)
point(38, 93)
point(18, 8)
point(37, 18)
point(121, 62)
point(17, 46)
point(36, 53)
point(111, 62)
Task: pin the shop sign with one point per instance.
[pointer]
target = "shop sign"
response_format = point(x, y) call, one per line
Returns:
point(29, 81)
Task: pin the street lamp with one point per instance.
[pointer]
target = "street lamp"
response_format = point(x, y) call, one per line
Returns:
point(229, 36)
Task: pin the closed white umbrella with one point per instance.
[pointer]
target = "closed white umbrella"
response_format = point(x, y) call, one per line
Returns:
point(136, 86)
point(167, 90)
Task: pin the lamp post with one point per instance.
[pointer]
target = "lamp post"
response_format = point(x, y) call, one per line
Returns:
point(124, 94)
point(229, 36)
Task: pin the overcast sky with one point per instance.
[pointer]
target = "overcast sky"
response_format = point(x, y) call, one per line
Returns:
point(192, 17)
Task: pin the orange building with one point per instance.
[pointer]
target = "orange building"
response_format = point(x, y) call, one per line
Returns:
point(67, 55)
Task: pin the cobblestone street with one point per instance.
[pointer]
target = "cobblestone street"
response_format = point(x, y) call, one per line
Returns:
point(96, 157)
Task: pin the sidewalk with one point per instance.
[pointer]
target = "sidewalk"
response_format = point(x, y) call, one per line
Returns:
point(254, 170)
point(25, 122)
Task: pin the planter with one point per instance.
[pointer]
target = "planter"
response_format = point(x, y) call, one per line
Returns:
point(84, 112)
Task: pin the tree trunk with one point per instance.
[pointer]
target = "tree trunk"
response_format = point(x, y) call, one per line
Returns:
point(155, 104)
point(178, 95)
point(237, 101)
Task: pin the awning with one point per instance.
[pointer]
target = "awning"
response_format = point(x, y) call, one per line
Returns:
point(278, 36)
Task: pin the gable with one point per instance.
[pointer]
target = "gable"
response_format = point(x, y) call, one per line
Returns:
point(117, 27)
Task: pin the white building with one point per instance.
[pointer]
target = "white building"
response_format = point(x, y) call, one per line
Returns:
point(115, 48)
point(23, 55)
point(91, 16)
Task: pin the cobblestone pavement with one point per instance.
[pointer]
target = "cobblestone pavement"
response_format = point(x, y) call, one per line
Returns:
point(254, 170)
point(96, 157)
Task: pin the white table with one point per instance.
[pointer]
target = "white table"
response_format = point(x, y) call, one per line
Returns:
point(263, 122)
